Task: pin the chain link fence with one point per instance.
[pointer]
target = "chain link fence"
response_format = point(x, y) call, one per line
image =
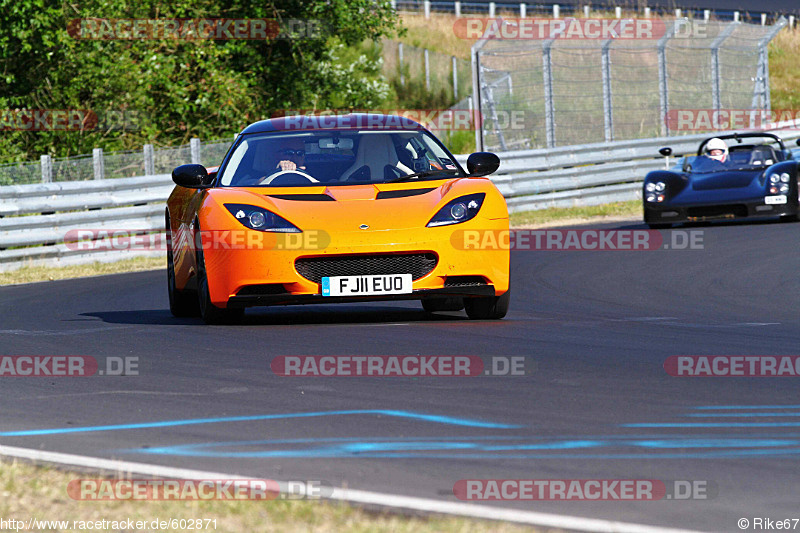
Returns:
point(561, 91)
point(438, 74)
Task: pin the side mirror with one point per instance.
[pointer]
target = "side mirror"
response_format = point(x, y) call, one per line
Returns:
point(666, 151)
point(797, 142)
point(482, 164)
point(193, 177)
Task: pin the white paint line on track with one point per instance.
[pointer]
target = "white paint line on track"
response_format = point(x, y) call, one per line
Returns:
point(354, 496)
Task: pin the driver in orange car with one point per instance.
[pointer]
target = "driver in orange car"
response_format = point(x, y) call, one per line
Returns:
point(292, 156)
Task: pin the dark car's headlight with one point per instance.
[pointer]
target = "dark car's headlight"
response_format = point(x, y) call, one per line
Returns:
point(655, 190)
point(260, 219)
point(779, 183)
point(458, 210)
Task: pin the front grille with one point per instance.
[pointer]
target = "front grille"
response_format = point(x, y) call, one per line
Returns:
point(464, 281)
point(714, 211)
point(266, 289)
point(316, 268)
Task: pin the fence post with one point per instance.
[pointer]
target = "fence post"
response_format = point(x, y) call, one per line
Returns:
point(400, 63)
point(647, 12)
point(678, 13)
point(556, 11)
point(618, 12)
point(455, 78)
point(99, 164)
point(492, 9)
point(736, 15)
point(457, 7)
point(426, 56)
point(715, 77)
point(476, 96)
point(663, 88)
point(791, 22)
point(608, 110)
point(586, 11)
point(427, 6)
point(523, 11)
point(149, 161)
point(47, 168)
point(706, 14)
point(763, 19)
point(547, 75)
point(194, 146)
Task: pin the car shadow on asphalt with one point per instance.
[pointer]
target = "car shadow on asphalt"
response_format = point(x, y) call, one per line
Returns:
point(288, 315)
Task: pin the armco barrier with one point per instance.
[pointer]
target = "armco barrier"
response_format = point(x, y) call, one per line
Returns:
point(35, 218)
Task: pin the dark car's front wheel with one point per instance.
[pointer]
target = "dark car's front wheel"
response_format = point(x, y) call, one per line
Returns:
point(210, 313)
point(488, 308)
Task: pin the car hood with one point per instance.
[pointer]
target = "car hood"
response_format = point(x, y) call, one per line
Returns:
point(733, 179)
point(346, 208)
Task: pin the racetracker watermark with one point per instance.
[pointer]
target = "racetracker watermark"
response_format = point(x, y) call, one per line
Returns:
point(731, 119)
point(197, 29)
point(577, 239)
point(197, 489)
point(716, 366)
point(401, 366)
point(88, 240)
point(72, 366)
point(578, 29)
point(433, 119)
point(70, 120)
point(582, 489)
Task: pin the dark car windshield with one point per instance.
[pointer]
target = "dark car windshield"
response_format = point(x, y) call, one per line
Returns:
point(739, 158)
point(336, 157)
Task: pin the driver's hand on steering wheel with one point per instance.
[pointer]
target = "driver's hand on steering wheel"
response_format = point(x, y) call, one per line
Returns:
point(288, 165)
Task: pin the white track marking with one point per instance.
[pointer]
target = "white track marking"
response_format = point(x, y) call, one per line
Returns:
point(354, 496)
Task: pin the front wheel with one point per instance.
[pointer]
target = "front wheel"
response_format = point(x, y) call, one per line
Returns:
point(210, 313)
point(488, 308)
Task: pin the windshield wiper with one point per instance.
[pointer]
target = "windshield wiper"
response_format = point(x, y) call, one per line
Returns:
point(423, 174)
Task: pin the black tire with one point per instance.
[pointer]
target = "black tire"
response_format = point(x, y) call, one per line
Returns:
point(790, 218)
point(488, 308)
point(210, 313)
point(443, 304)
point(182, 303)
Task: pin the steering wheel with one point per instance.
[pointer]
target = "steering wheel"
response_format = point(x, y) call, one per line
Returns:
point(269, 179)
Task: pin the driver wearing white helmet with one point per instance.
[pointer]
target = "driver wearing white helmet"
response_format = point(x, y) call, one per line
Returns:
point(717, 149)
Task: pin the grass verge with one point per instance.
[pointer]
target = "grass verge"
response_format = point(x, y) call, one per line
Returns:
point(28, 491)
point(576, 215)
point(44, 273)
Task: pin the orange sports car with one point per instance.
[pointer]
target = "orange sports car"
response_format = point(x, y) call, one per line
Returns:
point(348, 208)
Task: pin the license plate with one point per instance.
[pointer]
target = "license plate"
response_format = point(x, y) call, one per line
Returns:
point(775, 199)
point(366, 285)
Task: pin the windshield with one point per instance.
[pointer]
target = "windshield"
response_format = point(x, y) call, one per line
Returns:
point(746, 157)
point(336, 157)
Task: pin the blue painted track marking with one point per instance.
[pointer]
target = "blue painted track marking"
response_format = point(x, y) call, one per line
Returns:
point(194, 421)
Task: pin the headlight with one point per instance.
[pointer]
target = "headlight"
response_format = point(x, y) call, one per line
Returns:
point(260, 219)
point(774, 178)
point(785, 177)
point(651, 197)
point(784, 188)
point(650, 187)
point(458, 210)
point(660, 186)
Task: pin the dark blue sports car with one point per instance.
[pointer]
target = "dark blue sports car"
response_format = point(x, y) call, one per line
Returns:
point(750, 175)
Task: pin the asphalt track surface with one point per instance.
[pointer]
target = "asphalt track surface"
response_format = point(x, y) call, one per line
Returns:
point(598, 325)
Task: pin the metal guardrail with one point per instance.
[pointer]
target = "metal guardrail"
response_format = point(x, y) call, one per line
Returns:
point(37, 217)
